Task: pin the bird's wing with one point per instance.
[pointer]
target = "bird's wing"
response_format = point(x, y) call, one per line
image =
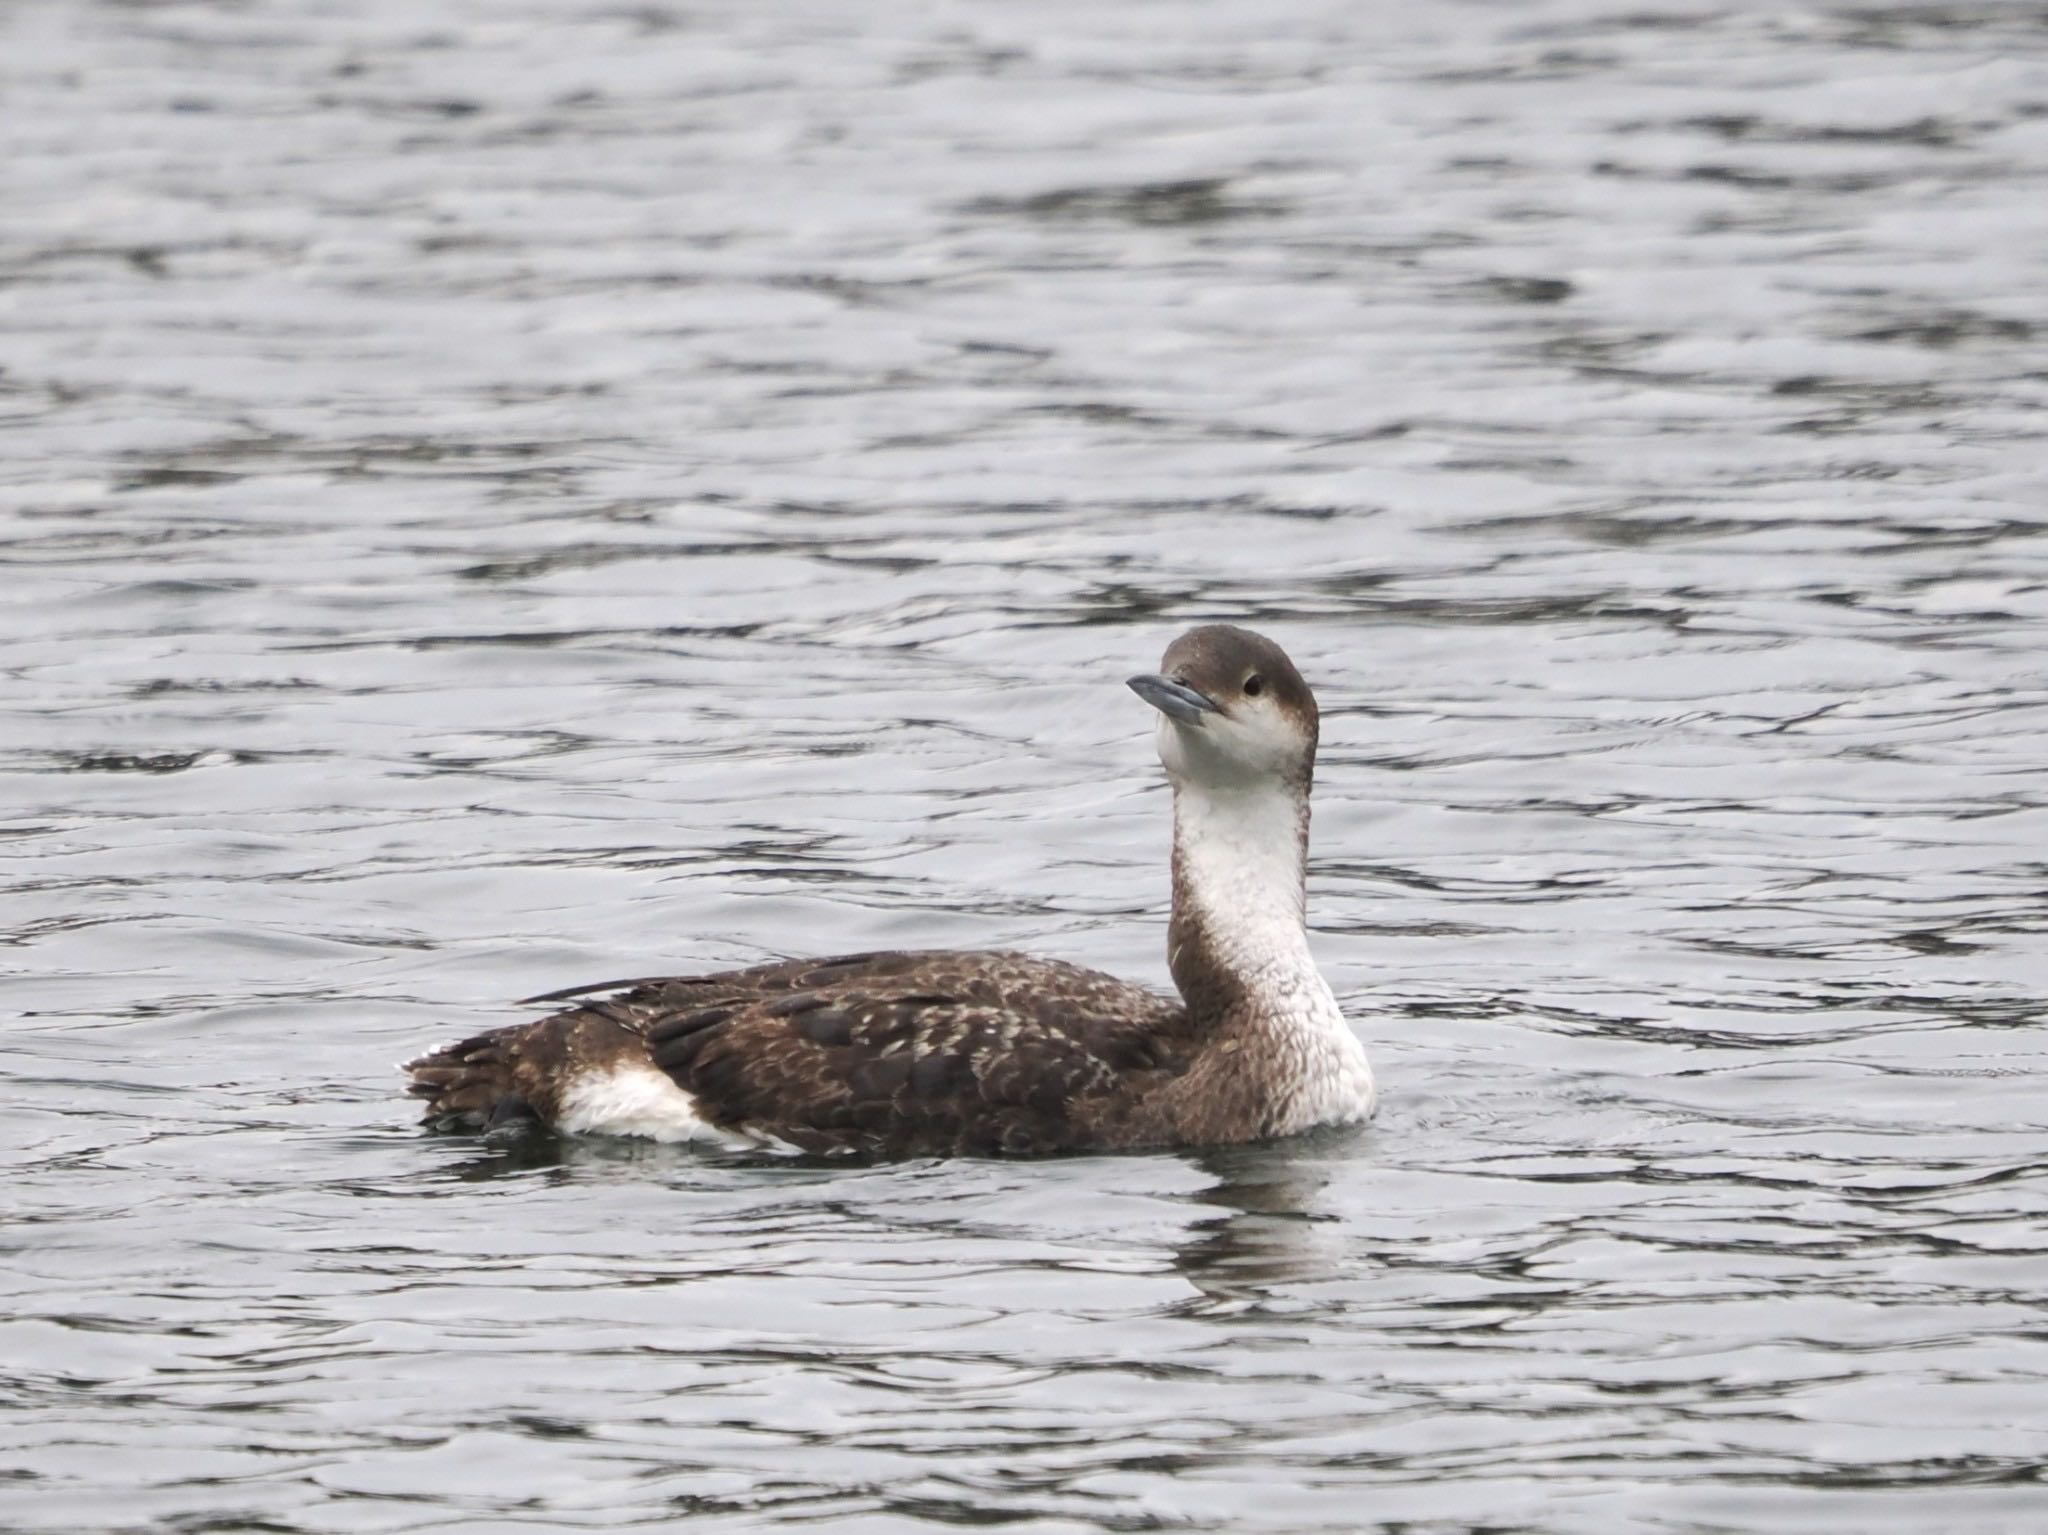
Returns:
point(908, 1052)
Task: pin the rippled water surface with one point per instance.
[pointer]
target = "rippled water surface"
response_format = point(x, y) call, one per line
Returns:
point(497, 495)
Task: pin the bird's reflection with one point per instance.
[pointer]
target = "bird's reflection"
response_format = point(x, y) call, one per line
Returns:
point(1264, 1241)
point(1255, 1239)
point(517, 1151)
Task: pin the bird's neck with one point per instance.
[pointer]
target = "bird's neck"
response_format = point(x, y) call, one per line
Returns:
point(1240, 856)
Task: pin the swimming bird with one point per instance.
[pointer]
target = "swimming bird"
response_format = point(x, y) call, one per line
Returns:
point(929, 1052)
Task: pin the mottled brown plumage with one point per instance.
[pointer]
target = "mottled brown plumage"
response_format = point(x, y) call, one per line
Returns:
point(933, 1052)
point(894, 1053)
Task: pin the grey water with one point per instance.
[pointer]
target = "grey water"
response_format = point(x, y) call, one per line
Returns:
point(509, 493)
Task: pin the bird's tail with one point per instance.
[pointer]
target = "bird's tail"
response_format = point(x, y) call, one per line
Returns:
point(470, 1085)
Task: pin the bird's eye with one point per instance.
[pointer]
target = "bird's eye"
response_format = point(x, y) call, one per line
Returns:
point(1254, 685)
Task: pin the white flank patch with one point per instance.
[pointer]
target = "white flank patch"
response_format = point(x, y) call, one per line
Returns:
point(638, 1101)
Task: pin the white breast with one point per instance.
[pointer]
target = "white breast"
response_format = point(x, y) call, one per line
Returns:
point(1320, 1072)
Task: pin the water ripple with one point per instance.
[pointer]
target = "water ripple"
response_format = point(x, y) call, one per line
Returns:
point(573, 491)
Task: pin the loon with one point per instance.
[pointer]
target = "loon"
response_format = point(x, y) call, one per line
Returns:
point(922, 1053)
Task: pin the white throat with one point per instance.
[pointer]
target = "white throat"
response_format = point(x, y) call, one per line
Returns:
point(1240, 856)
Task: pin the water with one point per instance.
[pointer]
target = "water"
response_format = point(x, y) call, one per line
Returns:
point(510, 494)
